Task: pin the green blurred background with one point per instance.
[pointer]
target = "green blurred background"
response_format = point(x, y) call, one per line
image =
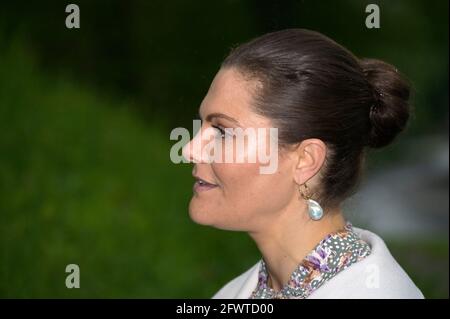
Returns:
point(85, 117)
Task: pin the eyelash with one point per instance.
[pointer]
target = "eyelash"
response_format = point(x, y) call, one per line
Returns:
point(220, 129)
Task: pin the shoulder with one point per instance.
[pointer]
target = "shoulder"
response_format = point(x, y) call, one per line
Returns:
point(377, 276)
point(241, 286)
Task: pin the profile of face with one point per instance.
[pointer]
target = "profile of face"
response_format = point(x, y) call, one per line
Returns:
point(242, 198)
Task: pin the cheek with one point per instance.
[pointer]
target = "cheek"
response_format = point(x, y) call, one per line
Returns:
point(245, 181)
point(248, 196)
point(237, 180)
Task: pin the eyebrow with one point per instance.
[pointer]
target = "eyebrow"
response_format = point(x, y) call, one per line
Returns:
point(211, 116)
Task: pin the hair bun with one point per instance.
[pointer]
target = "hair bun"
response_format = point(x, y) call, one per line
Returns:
point(390, 110)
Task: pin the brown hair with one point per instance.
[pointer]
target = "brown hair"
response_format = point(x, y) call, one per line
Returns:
point(313, 87)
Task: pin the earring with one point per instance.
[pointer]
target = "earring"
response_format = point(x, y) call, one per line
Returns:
point(315, 211)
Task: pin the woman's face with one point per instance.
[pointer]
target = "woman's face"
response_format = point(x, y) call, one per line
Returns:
point(242, 198)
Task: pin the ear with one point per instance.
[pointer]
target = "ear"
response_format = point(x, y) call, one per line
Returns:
point(310, 155)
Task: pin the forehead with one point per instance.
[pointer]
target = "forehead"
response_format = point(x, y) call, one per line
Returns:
point(230, 93)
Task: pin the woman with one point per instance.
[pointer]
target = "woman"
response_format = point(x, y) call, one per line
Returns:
point(329, 107)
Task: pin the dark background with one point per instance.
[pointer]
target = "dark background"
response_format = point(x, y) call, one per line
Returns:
point(85, 116)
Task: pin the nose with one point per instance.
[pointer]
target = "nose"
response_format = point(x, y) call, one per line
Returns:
point(190, 153)
point(194, 150)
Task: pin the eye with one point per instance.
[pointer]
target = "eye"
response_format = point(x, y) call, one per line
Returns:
point(221, 130)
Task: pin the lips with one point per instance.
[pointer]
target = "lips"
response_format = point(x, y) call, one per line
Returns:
point(202, 184)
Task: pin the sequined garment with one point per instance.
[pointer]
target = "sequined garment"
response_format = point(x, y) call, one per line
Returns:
point(333, 254)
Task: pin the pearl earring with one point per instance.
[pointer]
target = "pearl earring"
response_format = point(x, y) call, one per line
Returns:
point(315, 211)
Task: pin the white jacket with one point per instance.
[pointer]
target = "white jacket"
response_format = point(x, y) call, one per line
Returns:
point(376, 276)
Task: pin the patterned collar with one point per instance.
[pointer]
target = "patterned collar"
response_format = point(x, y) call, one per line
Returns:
point(333, 254)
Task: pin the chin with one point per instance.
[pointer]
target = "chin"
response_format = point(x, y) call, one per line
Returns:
point(199, 218)
point(213, 217)
point(205, 219)
point(198, 215)
point(202, 217)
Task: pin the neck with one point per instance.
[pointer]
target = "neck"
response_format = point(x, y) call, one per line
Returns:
point(287, 239)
